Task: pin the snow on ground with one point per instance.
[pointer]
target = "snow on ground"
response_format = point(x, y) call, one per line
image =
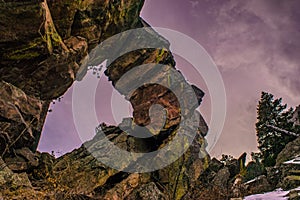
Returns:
point(278, 194)
point(295, 161)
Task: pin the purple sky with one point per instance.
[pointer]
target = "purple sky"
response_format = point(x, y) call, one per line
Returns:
point(255, 45)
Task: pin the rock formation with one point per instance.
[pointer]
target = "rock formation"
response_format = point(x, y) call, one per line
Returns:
point(44, 47)
point(296, 116)
point(43, 44)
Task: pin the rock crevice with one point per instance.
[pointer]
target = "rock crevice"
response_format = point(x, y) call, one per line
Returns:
point(42, 47)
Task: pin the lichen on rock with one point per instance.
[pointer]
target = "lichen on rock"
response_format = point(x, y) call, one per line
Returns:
point(41, 59)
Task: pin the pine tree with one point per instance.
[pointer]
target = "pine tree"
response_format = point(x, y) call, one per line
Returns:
point(272, 113)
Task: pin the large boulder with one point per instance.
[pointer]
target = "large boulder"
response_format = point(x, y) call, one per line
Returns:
point(290, 174)
point(289, 166)
point(258, 185)
point(8, 179)
point(147, 192)
point(21, 119)
point(290, 151)
point(222, 178)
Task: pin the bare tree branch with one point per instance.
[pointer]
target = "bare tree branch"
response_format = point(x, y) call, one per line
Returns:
point(282, 130)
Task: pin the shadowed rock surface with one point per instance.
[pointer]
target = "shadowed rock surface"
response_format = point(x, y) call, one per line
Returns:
point(42, 46)
point(45, 46)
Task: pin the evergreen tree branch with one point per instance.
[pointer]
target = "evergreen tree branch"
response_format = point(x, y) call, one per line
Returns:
point(282, 130)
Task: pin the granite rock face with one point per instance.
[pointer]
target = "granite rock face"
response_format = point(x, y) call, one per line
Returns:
point(22, 118)
point(79, 175)
point(288, 163)
point(291, 150)
point(44, 43)
point(44, 47)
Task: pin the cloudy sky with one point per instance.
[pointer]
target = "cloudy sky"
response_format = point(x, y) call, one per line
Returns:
point(255, 44)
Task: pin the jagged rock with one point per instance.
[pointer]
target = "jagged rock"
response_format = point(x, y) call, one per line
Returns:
point(182, 175)
point(294, 194)
point(40, 62)
point(63, 196)
point(215, 165)
point(290, 182)
point(8, 179)
point(274, 175)
point(86, 169)
point(237, 188)
point(99, 181)
point(185, 170)
point(290, 151)
point(289, 175)
point(296, 117)
point(147, 95)
point(24, 194)
point(233, 167)
point(211, 170)
point(21, 119)
point(41, 74)
point(124, 188)
point(253, 170)
point(40, 57)
point(17, 163)
point(206, 192)
point(45, 167)
point(147, 192)
point(203, 126)
point(258, 185)
point(222, 178)
point(28, 155)
point(283, 175)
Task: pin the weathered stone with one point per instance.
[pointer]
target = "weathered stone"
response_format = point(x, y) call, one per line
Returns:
point(21, 119)
point(296, 117)
point(45, 167)
point(222, 178)
point(89, 172)
point(30, 157)
point(12, 180)
point(291, 150)
point(294, 194)
point(237, 188)
point(289, 176)
point(206, 192)
point(182, 175)
point(147, 192)
point(124, 188)
point(41, 51)
point(274, 175)
point(41, 61)
point(258, 185)
point(215, 165)
point(17, 163)
point(290, 182)
point(253, 170)
point(234, 167)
